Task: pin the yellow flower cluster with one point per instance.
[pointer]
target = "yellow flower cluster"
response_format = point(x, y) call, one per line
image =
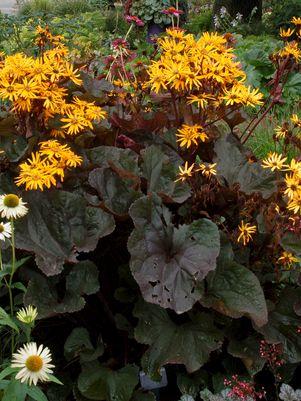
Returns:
point(45, 37)
point(202, 69)
point(292, 181)
point(35, 85)
point(47, 165)
point(292, 47)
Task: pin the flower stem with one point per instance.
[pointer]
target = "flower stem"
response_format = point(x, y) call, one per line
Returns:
point(13, 267)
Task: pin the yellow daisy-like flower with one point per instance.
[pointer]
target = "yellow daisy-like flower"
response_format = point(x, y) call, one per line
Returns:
point(296, 21)
point(293, 186)
point(274, 161)
point(287, 259)
point(281, 132)
point(201, 100)
point(295, 203)
point(185, 172)
point(246, 231)
point(75, 123)
point(286, 33)
point(291, 49)
point(294, 167)
point(27, 315)
point(207, 169)
point(28, 89)
point(190, 134)
point(296, 120)
point(34, 363)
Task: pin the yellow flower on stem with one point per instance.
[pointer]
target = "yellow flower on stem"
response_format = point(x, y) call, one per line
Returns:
point(185, 172)
point(28, 89)
point(291, 49)
point(296, 120)
point(8, 90)
point(207, 169)
point(274, 161)
point(293, 186)
point(75, 123)
point(287, 259)
point(295, 203)
point(201, 99)
point(286, 33)
point(190, 134)
point(281, 132)
point(246, 231)
point(296, 21)
point(294, 167)
point(72, 74)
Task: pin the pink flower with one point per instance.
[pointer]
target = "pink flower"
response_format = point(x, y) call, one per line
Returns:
point(242, 390)
point(133, 19)
point(120, 43)
point(172, 11)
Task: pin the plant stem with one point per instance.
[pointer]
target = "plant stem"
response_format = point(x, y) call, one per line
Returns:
point(13, 266)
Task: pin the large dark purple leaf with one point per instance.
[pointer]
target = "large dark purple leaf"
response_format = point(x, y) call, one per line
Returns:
point(59, 224)
point(170, 263)
point(161, 174)
point(234, 166)
point(234, 290)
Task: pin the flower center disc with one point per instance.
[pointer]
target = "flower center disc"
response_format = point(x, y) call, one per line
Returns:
point(1, 228)
point(11, 200)
point(34, 363)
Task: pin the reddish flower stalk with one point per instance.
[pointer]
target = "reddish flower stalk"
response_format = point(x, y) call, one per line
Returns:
point(272, 353)
point(242, 390)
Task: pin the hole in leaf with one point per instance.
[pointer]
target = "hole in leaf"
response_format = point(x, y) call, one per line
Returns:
point(153, 283)
point(166, 289)
point(192, 290)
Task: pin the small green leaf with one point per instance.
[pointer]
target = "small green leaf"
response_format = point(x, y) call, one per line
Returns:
point(15, 391)
point(7, 371)
point(54, 379)
point(36, 393)
point(6, 320)
point(19, 286)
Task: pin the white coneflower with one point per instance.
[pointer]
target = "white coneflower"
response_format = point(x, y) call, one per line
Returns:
point(5, 231)
point(34, 363)
point(27, 315)
point(11, 206)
